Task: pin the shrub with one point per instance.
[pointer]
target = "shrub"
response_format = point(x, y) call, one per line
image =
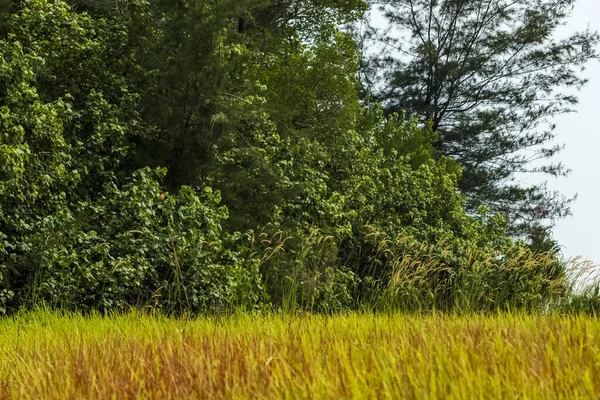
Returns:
point(137, 245)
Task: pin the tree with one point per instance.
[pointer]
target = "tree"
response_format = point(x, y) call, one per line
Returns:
point(208, 99)
point(490, 75)
point(76, 228)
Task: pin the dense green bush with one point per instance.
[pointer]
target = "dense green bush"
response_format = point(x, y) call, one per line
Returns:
point(136, 245)
point(349, 208)
point(407, 273)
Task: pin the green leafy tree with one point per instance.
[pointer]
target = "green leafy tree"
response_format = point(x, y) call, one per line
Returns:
point(209, 96)
point(77, 229)
point(490, 75)
point(35, 160)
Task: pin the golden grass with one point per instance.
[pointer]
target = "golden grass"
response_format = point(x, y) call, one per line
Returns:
point(43, 355)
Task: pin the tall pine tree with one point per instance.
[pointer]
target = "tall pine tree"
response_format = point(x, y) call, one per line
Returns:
point(490, 75)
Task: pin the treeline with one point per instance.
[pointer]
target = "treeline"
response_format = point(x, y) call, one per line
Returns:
point(208, 156)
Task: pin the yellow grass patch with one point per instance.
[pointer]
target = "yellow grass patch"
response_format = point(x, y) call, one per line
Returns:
point(43, 355)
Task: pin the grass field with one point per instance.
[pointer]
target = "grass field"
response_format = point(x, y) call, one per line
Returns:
point(43, 355)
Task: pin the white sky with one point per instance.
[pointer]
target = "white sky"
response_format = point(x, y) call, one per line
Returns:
point(578, 234)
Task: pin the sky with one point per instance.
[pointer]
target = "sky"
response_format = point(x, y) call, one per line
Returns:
point(579, 234)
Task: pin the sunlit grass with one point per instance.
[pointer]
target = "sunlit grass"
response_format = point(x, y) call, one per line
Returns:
point(43, 355)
